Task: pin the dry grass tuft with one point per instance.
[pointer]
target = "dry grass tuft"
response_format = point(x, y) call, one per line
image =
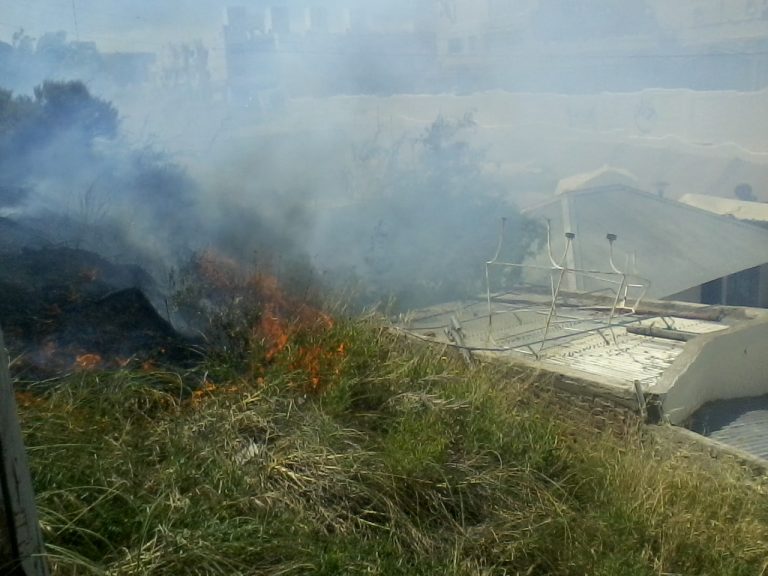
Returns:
point(402, 462)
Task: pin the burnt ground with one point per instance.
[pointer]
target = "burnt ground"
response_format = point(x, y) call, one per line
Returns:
point(64, 309)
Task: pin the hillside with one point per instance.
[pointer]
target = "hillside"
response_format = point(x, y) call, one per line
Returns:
point(347, 450)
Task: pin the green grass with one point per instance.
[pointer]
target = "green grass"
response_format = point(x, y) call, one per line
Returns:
point(400, 461)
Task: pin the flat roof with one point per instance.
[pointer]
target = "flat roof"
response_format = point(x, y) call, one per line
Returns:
point(579, 337)
point(703, 365)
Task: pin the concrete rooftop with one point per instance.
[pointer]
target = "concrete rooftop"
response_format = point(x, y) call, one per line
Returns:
point(580, 339)
point(678, 356)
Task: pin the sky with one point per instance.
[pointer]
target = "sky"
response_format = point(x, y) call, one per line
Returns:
point(139, 25)
point(133, 24)
point(561, 116)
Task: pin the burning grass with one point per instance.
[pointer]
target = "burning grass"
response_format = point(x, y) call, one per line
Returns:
point(368, 456)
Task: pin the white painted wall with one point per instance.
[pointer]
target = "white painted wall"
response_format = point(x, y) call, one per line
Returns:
point(721, 366)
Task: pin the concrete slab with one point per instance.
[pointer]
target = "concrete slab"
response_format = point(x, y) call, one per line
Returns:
point(681, 356)
point(580, 337)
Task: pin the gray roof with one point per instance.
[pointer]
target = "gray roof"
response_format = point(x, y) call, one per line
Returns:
point(741, 423)
point(676, 246)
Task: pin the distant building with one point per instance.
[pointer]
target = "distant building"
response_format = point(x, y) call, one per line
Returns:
point(685, 252)
point(315, 47)
point(308, 48)
point(596, 45)
point(129, 68)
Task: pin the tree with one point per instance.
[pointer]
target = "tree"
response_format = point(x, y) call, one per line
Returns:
point(744, 192)
point(15, 112)
point(69, 106)
point(426, 230)
point(50, 134)
point(59, 112)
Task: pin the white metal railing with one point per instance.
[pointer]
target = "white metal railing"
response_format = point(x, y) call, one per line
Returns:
point(620, 284)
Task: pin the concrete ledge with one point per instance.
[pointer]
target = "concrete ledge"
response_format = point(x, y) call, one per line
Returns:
point(718, 366)
point(574, 381)
point(714, 448)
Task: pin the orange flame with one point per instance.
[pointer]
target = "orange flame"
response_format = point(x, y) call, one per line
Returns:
point(85, 362)
point(208, 390)
point(319, 363)
point(287, 328)
point(274, 332)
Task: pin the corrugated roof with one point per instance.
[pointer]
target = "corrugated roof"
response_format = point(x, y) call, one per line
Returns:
point(675, 246)
point(741, 423)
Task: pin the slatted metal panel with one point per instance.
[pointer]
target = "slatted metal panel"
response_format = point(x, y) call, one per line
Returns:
point(631, 358)
point(741, 423)
point(579, 338)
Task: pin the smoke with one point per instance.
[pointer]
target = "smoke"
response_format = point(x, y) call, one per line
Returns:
point(375, 141)
point(64, 166)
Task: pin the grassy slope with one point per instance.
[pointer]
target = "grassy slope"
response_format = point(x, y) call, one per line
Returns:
point(404, 462)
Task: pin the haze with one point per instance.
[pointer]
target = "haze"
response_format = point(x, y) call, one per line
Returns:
point(309, 114)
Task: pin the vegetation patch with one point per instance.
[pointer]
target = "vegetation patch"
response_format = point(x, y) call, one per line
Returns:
point(389, 458)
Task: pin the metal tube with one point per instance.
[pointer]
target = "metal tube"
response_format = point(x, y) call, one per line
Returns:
point(569, 237)
point(611, 239)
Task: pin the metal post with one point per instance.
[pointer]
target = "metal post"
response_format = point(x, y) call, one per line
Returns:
point(487, 275)
point(563, 269)
point(21, 544)
point(641, 404)
point(611, 239)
